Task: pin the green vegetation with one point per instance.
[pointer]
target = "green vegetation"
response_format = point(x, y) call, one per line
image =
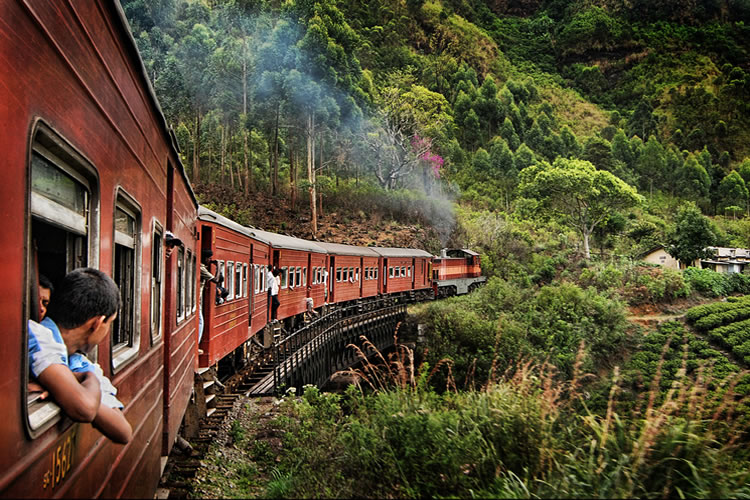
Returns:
point(561, 140)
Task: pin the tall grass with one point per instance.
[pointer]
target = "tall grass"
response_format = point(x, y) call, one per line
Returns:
point(524, 433)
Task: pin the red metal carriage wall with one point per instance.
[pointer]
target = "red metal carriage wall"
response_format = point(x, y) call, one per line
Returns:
point(227, 325)
point(68, 64)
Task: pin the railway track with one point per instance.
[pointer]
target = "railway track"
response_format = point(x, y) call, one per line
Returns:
point(186, 458)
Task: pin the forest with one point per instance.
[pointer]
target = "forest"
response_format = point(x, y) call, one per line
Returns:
point(563, 141)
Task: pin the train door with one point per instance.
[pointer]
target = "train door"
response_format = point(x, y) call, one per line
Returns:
point(332, 277)
point(385, 275)
point(361, 274)
point(413, 272)
point(204, 295)
point(250, 277)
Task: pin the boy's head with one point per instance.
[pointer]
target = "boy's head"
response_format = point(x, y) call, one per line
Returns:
point(84, 294)
point(45, 293)
point(171, 241)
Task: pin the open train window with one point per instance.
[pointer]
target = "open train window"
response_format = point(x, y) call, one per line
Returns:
point(125, 330)
point(157, 246)
point(189, 282)
point(244, 280)
point(238, 280)
point(180, 292)
point(229, 283)
point(63, 236)
point(284, 277)
point(256, 278)
point(193, 278)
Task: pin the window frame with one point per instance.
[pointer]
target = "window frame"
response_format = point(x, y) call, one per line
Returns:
point(39, 415)
point(157, 264)
point(121, 355)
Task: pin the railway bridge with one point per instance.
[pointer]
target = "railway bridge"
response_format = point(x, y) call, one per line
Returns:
point(313, 353)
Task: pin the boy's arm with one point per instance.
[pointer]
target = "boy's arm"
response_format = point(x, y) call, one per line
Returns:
point(80, 400)
point(112, 423)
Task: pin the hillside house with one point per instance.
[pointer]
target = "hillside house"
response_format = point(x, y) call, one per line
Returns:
point(725, 260)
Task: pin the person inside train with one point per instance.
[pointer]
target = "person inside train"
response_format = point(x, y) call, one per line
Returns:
point(206, 276)
point(170, 241)
point(79, 317)
point(45, 293)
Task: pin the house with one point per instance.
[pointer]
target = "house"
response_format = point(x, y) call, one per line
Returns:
point(659, 256)
point(725, 260)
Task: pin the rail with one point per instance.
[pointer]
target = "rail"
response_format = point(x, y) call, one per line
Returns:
point(311, 354)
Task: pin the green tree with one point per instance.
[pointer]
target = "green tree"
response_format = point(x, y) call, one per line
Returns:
point(693, 180)
point(733, 191)
point(691, 236)
point(642, 122)
point(652, 164)
point(579, 192)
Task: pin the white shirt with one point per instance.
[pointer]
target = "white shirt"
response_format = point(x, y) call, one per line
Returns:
point(275, 285)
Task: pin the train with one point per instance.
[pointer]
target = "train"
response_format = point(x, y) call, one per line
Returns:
point(94, 179)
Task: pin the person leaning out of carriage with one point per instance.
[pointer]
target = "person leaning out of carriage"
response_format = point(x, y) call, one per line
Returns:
point(79, 317)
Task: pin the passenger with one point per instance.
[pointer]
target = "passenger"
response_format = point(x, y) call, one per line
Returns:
point(325, 284)
point(79, 317)
point(206, 276)
point(45, 292)
point(275, 284)
point(171, 241)
point(269, 284)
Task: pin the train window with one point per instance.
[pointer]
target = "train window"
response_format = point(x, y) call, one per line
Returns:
point(356, 275)
point(375, 275)
point(238, 280)
point(125, 330)
point(63, 233)
point(244, 280)
point(390, 272)
point(156, 268)
point(408, 271)
point(256, 280)
point(304, 276)
point(338, 274)
point(284, 277)
point(193, 278)
point(299, 277)
point(229, 283)
point(189, 282)
point(180, 293)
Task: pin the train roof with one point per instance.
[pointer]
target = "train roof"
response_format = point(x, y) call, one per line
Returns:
point(341, 249)
point(400, 252)
point(206, 214)
point(288, 242)
point(456, 253)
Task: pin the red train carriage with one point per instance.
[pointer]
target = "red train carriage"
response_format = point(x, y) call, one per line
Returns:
point(456, 271)
point(91, 179)
point(295, 258)
point(352, 272)
point(403, 270)
point(230, 320)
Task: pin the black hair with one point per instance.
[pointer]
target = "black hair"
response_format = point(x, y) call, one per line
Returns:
point(84, 294)
point(276, 271)
point(44, 282)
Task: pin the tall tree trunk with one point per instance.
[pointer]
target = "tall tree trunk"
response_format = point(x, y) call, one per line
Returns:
point(228, 147)
point(247, 170)
point(197, 148)
point(275, 173)
point(311, 174)
point(223, 153)
point(292, 179)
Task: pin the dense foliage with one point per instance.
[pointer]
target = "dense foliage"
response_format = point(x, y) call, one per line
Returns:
point(454, 99)
point(563, 140)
